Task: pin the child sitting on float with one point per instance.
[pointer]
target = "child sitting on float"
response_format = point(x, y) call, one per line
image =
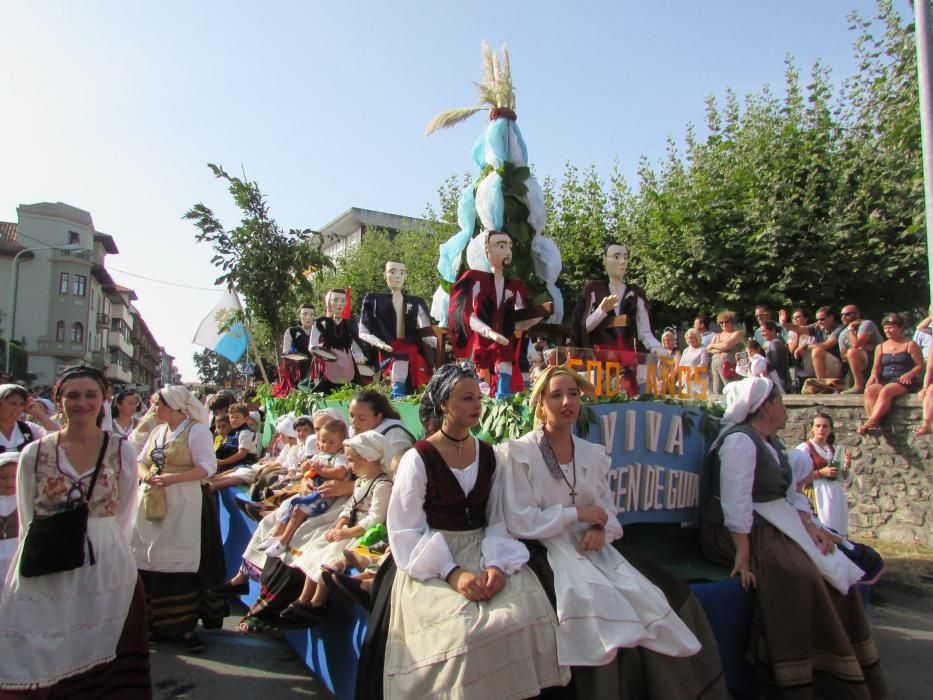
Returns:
point(368, 457)
point(328, 463)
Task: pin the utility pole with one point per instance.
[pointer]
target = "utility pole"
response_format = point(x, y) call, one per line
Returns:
point(925, 83)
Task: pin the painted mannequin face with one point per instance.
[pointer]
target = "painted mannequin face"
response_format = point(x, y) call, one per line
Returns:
point(616, 261)
point(306, 317)
point(396, 273)
point(499, 251)
point(337, 302)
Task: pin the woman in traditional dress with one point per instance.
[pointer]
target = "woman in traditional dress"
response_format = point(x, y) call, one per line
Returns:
point(15, 432)
point(810, 636)
point(176, 539)
point(557, 494)
point(828, 480)
point(125, 419)
point(467, 618)
point(81, 632)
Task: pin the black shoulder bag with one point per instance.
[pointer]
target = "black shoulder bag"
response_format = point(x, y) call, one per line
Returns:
point(55, 542)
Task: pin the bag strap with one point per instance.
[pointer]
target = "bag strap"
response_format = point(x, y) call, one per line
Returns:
point(100, 461)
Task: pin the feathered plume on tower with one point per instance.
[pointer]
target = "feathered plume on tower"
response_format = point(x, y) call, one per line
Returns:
point(503, 196)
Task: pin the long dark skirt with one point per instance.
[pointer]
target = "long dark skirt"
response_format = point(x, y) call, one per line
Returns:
point(807, 639)
point(371, 667)
point(176, 601)
point(638, 672)
point(124, 678)
point(279, 585)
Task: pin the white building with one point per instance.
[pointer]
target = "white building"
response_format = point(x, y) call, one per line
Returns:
point(69, 310)
point(348, 230)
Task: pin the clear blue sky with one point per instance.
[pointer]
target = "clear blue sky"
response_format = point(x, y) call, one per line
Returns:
point(115, 107)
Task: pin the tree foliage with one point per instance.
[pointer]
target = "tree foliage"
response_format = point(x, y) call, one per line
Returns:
point(265, 264)
point(792, 198)
point(361, 268)
point(213, 368)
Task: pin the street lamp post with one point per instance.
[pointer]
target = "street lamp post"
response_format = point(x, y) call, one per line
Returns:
point(14, 282)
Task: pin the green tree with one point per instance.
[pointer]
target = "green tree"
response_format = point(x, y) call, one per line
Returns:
point(361, 268)
point(213, 368)
point(268, 266)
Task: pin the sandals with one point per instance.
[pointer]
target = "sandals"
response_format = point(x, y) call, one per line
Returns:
point(868, 426)
point(253, 625)
point(305, 613)
point(922, 430)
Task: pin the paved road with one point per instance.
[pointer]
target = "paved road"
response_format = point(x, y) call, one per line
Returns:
point(264, 666)
point(232, 666)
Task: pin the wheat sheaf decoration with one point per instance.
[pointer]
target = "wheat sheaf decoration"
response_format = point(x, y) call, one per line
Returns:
point(495, 93)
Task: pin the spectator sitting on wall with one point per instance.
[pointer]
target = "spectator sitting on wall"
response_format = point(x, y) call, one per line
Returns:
point(797, 342)
point(896, 370)
point(776, 353)
point(763, 313)
point(820, 357)
point(856, 345)
point(922, 335)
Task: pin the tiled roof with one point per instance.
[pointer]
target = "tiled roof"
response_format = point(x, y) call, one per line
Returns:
point(8, 243)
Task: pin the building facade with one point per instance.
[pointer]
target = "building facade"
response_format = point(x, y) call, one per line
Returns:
point(69, 310)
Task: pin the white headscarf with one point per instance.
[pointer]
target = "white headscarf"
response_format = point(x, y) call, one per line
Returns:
point(286, 426)
point(331, 413)
point(372, 445)
point(9, 458)
point(179, 398)
point(10, 389)
point(744, 397)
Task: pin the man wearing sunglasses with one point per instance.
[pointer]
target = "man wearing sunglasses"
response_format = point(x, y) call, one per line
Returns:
point(821, 358)
point(857, 345)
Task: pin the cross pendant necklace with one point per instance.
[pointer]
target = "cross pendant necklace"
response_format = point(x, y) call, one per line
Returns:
point(571, 486)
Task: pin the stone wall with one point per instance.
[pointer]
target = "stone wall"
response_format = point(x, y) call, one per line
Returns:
point(891, 492)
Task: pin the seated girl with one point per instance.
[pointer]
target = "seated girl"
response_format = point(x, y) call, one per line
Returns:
point(328, 463)
point(616, 626)
point(366, 454)
point(467, 619)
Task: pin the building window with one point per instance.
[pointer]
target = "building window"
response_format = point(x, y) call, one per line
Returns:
point(77, 333)
point(74, 238)
point(63, 283)
point(60, 331)
point(80, 285)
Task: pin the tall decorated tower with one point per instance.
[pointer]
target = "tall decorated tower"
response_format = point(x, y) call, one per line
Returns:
point(504, 196)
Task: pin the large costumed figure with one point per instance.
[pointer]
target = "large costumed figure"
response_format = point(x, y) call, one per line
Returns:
point(296, 353)
point(486, 308)
point(339, 359)
point(612, 317)
point(391, 322)
point(504, 196)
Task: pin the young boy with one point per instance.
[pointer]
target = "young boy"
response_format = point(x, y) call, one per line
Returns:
point(222, 429)
point(328, 463)
point(241, 441)
point(9, 519)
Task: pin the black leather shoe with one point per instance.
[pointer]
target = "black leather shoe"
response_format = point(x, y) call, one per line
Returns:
point(348, 587)
point(304, 613)
point(230, 588)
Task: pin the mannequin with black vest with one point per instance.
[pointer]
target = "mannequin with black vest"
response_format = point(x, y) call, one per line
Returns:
point(297, 339)
point(391, 322)
point(16, 433)
point(612, 317)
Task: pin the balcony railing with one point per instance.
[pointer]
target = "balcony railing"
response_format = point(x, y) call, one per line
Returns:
point(103, 319)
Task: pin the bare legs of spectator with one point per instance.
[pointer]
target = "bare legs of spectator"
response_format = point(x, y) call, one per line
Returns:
point(926, 426)
point(878, 399)
point(858, 361)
